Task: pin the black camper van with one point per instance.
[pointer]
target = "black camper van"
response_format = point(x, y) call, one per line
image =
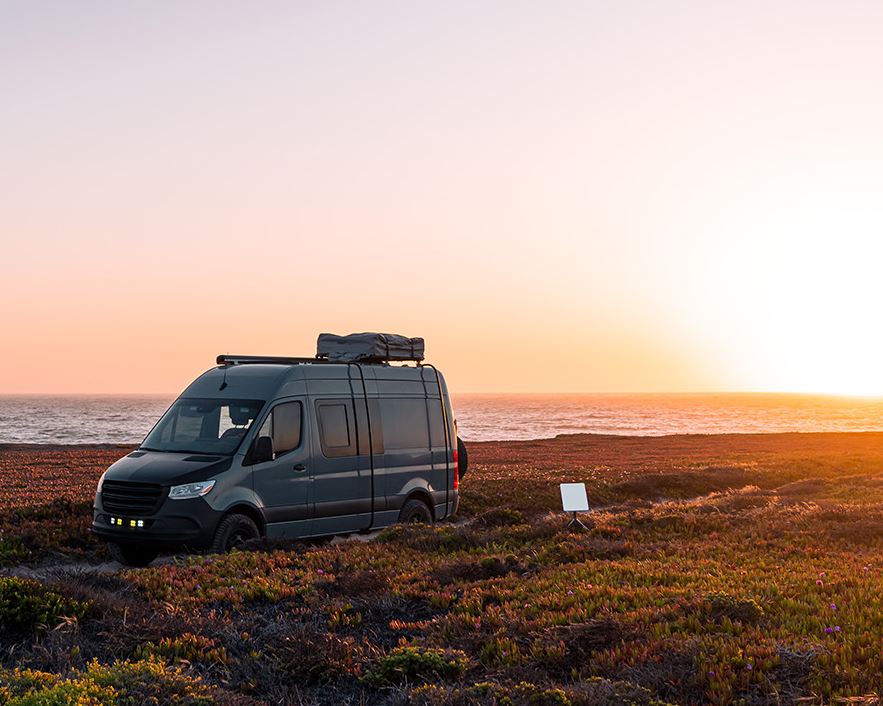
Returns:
point(344, 442)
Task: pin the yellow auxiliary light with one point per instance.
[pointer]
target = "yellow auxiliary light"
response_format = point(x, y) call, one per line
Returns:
point(119, 520)
point(132, 523)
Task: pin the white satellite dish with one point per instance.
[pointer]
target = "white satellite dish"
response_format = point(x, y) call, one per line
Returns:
point(574, 499)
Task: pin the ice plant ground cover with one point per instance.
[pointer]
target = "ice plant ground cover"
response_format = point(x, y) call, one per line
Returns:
point(716, 570)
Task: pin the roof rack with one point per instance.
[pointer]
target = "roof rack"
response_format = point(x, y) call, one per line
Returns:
point(294, 360)
point(266, 359)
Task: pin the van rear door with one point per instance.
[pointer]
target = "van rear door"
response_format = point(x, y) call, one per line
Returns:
point(407, 459)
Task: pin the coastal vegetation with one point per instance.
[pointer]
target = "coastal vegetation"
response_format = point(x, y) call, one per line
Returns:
point(730, 569)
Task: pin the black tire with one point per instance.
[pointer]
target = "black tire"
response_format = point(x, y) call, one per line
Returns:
point(416, 512)
point(462, 457)
point(133, 554)
point(232, 532)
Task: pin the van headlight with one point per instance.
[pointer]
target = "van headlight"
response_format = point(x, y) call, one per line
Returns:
point(191, 490)
point(101, 482)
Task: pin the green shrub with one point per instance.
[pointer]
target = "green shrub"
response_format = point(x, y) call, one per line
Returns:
point(428, 538)
point(743, 610)
point(64, 693)
point(500, 517)
point(11, 550)
point(416, 664)
point(522, 693)
point(391, 534)
point(595, 692)
point(501, 652)
point(27, 605)
point(184, 648)
point(148, 681)
point(119, 684)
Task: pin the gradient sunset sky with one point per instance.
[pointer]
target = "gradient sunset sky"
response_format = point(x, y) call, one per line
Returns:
point(559, 196)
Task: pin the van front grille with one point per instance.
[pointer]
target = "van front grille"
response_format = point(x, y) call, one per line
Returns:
point(131, 498)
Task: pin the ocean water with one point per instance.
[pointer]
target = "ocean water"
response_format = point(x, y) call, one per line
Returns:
point(112, 419)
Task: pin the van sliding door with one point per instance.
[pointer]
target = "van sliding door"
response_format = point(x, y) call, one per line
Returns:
point(342, 479)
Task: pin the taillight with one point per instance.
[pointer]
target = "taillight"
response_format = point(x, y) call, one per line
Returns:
point(456, 469)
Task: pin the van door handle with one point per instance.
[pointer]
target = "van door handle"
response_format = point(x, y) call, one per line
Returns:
point(299, 467)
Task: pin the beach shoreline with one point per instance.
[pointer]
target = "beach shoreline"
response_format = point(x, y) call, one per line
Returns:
point(126, 420)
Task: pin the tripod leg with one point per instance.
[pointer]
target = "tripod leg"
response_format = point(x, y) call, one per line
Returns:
point(578, 522)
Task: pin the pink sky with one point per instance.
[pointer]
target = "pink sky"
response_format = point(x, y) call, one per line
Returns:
point(559, 196)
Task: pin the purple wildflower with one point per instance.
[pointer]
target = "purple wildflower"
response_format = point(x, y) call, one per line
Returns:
point(829, 630)
point(833, 606)
point(836, 628)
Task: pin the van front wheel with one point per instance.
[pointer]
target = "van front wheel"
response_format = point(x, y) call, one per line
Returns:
point(415, 512)
point(233, 531)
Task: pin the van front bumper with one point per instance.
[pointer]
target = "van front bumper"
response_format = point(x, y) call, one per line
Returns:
point(190, 522)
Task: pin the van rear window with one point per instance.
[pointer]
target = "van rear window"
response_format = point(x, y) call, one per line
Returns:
point(405, 425)
point(436, 422)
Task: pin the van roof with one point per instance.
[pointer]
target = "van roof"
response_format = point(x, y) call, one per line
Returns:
point(264, 378)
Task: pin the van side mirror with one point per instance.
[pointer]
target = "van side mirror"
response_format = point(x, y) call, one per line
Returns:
point(263, 449)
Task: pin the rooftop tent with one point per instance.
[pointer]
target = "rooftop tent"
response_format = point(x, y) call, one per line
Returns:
point(365, 347)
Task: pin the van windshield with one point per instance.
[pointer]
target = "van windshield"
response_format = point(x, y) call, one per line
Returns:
point(211, 426)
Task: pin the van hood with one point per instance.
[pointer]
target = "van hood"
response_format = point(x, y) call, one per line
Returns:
point(167, 468)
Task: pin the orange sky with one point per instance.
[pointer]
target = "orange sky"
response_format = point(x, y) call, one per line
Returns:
point(567, 196)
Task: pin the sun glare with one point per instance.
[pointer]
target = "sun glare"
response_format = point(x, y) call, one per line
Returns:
point(817, 276)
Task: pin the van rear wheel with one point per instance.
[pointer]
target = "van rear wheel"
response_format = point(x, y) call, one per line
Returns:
point(232, 532)
point(132, 554)
point(415, 512)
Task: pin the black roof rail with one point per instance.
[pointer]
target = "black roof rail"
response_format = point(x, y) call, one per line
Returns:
point(293, 360)
point(277, 359)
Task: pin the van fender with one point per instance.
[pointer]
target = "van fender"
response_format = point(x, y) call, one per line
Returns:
point(414, 488)
point(239, 497)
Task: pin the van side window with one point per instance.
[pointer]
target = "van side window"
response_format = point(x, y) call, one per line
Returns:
point(283, 425)
point(334, 429)
point(372, 411)
point(436, 423)
point(405, 424)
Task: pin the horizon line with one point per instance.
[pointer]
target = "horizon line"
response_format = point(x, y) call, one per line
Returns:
point(801, 393)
